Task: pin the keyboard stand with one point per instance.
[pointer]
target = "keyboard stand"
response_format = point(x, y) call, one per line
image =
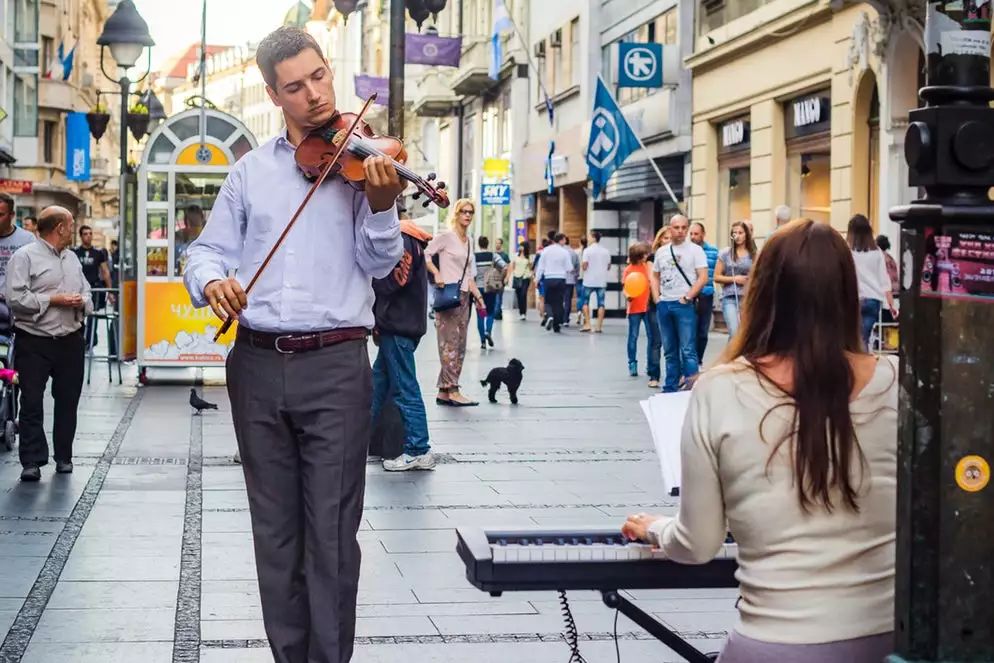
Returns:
point(614, 600)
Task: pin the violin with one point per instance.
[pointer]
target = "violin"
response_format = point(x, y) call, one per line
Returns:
point(320, 146)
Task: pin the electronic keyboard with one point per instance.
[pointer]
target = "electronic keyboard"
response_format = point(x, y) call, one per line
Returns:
point(521, 560)
point(500, 561)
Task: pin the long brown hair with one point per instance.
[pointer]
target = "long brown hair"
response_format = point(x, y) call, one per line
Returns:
point(802, 305)
point(750, 243)
point(860, 234)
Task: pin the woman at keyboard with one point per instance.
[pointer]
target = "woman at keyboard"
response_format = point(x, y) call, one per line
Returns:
point(791, 444)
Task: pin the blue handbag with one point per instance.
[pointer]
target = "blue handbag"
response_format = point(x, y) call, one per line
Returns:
point(449, 296)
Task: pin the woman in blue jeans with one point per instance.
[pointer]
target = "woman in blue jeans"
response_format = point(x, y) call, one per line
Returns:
point(871, 275)
point(732, 273)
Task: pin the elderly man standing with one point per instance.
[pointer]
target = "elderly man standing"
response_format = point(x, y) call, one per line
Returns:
point(49, 297)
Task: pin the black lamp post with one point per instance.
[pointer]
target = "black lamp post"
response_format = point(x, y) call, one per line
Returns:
point(126, 34)
point(419, 11)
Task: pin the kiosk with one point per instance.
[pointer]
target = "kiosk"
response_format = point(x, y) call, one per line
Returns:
point(185, 161)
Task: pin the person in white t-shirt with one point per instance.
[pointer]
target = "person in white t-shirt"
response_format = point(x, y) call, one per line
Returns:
point(679, 272)
point(596, 265)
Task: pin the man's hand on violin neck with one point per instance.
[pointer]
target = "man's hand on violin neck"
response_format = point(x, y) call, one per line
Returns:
point(226, 298)
point(383, 184)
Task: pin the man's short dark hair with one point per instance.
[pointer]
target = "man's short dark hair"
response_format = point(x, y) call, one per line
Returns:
point(83, 229)
point(704, 231)
point(282, 44)
point(596, 235)
point(9, 199)
point(484, 242)
point(559, 237)
point(551, 235)
point(113, 242)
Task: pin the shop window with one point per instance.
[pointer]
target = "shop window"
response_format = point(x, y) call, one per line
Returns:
point(809, 185)
point(735, 202)
point(195, 195)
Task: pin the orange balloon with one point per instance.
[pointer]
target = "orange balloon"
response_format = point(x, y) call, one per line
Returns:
point(635, 285)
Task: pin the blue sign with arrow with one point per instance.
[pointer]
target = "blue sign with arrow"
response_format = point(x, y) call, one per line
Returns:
point(640, 65)
point(495, 194)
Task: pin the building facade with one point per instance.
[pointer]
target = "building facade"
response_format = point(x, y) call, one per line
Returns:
point(802, 103)
point(35, 100)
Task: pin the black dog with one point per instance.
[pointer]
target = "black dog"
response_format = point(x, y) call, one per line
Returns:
point(510, 376)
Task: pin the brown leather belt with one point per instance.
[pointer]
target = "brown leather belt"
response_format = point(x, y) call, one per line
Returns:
point(294, 342)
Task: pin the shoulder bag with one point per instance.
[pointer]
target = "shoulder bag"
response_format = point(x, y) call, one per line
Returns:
point(449, 296)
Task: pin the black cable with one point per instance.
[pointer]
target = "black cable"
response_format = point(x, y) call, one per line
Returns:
point(571, 634)
point(617, 648)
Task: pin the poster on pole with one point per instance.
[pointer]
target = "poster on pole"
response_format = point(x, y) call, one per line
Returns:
point(959, 264)
point(495, 193)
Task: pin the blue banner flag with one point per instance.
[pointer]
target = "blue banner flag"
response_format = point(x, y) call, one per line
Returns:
point(640, 65)
point(77, 147)
point(611, 139)
point(502, 23)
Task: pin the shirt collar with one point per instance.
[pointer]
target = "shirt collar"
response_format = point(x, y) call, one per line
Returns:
point(283, 141)
point(50, 247)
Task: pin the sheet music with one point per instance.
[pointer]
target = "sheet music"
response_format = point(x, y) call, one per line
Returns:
point(665, 414)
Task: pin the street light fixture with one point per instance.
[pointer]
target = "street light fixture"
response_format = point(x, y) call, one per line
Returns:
point(126, 34)
point(156, 111)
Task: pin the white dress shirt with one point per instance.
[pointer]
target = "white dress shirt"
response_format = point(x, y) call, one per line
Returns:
point(555, 263)
point(320, 277)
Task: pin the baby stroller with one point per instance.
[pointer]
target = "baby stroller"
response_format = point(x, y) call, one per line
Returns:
point(8, 381)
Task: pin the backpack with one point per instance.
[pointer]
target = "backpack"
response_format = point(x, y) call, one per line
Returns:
point(493, 279)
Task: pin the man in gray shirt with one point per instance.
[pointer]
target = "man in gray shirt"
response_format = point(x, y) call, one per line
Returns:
point(49, 297)
point(11, 237)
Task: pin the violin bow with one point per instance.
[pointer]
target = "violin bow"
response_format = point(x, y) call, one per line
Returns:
point(314, 187)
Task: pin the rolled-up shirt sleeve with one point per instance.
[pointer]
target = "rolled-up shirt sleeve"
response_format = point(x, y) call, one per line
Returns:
point(378, 244)
point(218, 248)
point(22, 301)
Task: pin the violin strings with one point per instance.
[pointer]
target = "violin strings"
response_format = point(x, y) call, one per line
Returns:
point(358, 145)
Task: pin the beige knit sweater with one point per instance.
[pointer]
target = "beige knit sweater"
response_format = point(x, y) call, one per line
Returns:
point(804, 577)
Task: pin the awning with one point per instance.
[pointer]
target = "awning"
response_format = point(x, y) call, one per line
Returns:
point(636, 180)
point(6, 157)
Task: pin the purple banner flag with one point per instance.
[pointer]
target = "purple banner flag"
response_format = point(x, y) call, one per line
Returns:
point(432, 50)
point(365, 86)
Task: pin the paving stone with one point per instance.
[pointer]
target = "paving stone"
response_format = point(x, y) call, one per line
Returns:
point(103, 625)
point(104, 652)
point(121, 567)
point(106, 595)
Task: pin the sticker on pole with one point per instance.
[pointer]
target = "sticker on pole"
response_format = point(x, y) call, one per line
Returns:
point(966, 42)
point(972, 473)
point(958, 264)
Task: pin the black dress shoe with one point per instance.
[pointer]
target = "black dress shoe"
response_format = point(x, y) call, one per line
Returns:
point(31, 473)
point(64, 468)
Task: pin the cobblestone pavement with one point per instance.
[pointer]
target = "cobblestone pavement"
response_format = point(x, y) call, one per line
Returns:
point(144, 553)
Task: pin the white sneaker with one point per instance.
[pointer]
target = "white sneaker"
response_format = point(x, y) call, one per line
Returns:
point(404, 462)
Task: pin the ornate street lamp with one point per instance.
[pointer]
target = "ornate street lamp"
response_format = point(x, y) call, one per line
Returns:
point(126, 34)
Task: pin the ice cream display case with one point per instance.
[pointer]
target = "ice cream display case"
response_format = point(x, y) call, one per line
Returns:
point(183, 167)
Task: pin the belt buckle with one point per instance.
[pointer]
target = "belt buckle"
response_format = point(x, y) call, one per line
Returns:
point(276, 345)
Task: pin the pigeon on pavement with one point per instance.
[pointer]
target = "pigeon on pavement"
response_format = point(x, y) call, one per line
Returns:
point(200, 404)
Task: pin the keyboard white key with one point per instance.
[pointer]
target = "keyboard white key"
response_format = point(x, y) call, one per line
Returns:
point(597, 552)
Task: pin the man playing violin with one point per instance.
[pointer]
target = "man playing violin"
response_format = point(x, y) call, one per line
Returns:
point(299, 376)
